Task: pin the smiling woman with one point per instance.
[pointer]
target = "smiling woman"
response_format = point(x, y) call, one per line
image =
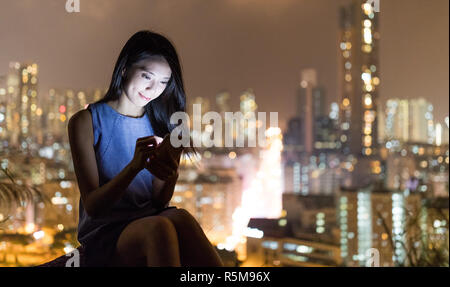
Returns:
point(146, 80)
point(125, 187)
point(147, 77)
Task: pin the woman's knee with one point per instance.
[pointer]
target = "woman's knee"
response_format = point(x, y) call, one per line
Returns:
point(142, 235)
point(185, 216)
point(181, 218)
point(159, 229)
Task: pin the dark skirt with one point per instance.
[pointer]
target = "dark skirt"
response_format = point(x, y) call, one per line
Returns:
point(98, 251)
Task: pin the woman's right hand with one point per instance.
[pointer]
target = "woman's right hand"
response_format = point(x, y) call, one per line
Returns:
point(144, 148)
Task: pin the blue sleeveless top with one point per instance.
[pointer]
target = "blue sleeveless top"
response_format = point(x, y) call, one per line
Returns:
point(115, 138)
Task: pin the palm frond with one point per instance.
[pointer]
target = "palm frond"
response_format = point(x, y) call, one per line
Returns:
point(14, 194)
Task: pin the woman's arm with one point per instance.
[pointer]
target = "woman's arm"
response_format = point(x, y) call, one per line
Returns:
point(164, 165)
point(162, 190)
point(96, 200)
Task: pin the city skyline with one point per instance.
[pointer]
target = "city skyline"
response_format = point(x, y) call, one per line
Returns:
point(353, 176)
point(235, 52)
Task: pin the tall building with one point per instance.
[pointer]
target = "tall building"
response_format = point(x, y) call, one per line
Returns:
point(421, 121)
point(399, 170)
point(223, 105)
point(29, 119)
point(318, 102)
point(306, 106)
point(248, 108)
point(211, 197)
point(326, 134)
point(373, 223)
point(294, 134)
point(196, 108)
point(22, 114)
point(292, 149)
point(56, 117)
point(12, 104)
point(316, 127)
point(409, 121)
point(60, 106)
point(397, 120)
point(359, 77)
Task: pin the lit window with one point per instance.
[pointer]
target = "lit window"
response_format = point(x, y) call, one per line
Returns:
point(367, 8)
point(367, 23)
point(376, 81)
point(367, 36)
point(368, 100)
point(367, 48)
point(367, 140)
point(366, 77)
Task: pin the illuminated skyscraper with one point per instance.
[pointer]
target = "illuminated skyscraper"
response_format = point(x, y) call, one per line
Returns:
point(196, 108)
point(409, 121)
point(248, 109)
point(367, 219)
point(223, 106)
point(421, 121)
point(60, 106)
point(316, 126)
point(306, 106)
point(12, 104)
point(397, 120)
point(56, 114)
point(359, 77)
point(22, 115)
point(211, 197)
point(29, 123)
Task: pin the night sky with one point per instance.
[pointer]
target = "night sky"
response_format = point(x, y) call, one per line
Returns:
point(230, 44)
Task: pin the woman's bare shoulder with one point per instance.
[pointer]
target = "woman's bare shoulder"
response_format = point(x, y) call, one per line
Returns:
point(81, 122)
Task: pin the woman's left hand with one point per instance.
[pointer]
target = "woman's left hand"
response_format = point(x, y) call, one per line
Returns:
point(163, 168)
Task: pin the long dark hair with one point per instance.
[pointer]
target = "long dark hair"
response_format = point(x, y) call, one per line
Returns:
point(144, 45)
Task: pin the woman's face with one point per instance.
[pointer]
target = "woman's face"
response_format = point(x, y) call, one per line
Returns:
point(146, 80)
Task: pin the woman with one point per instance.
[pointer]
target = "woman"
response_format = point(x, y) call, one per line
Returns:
point(124, 215)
